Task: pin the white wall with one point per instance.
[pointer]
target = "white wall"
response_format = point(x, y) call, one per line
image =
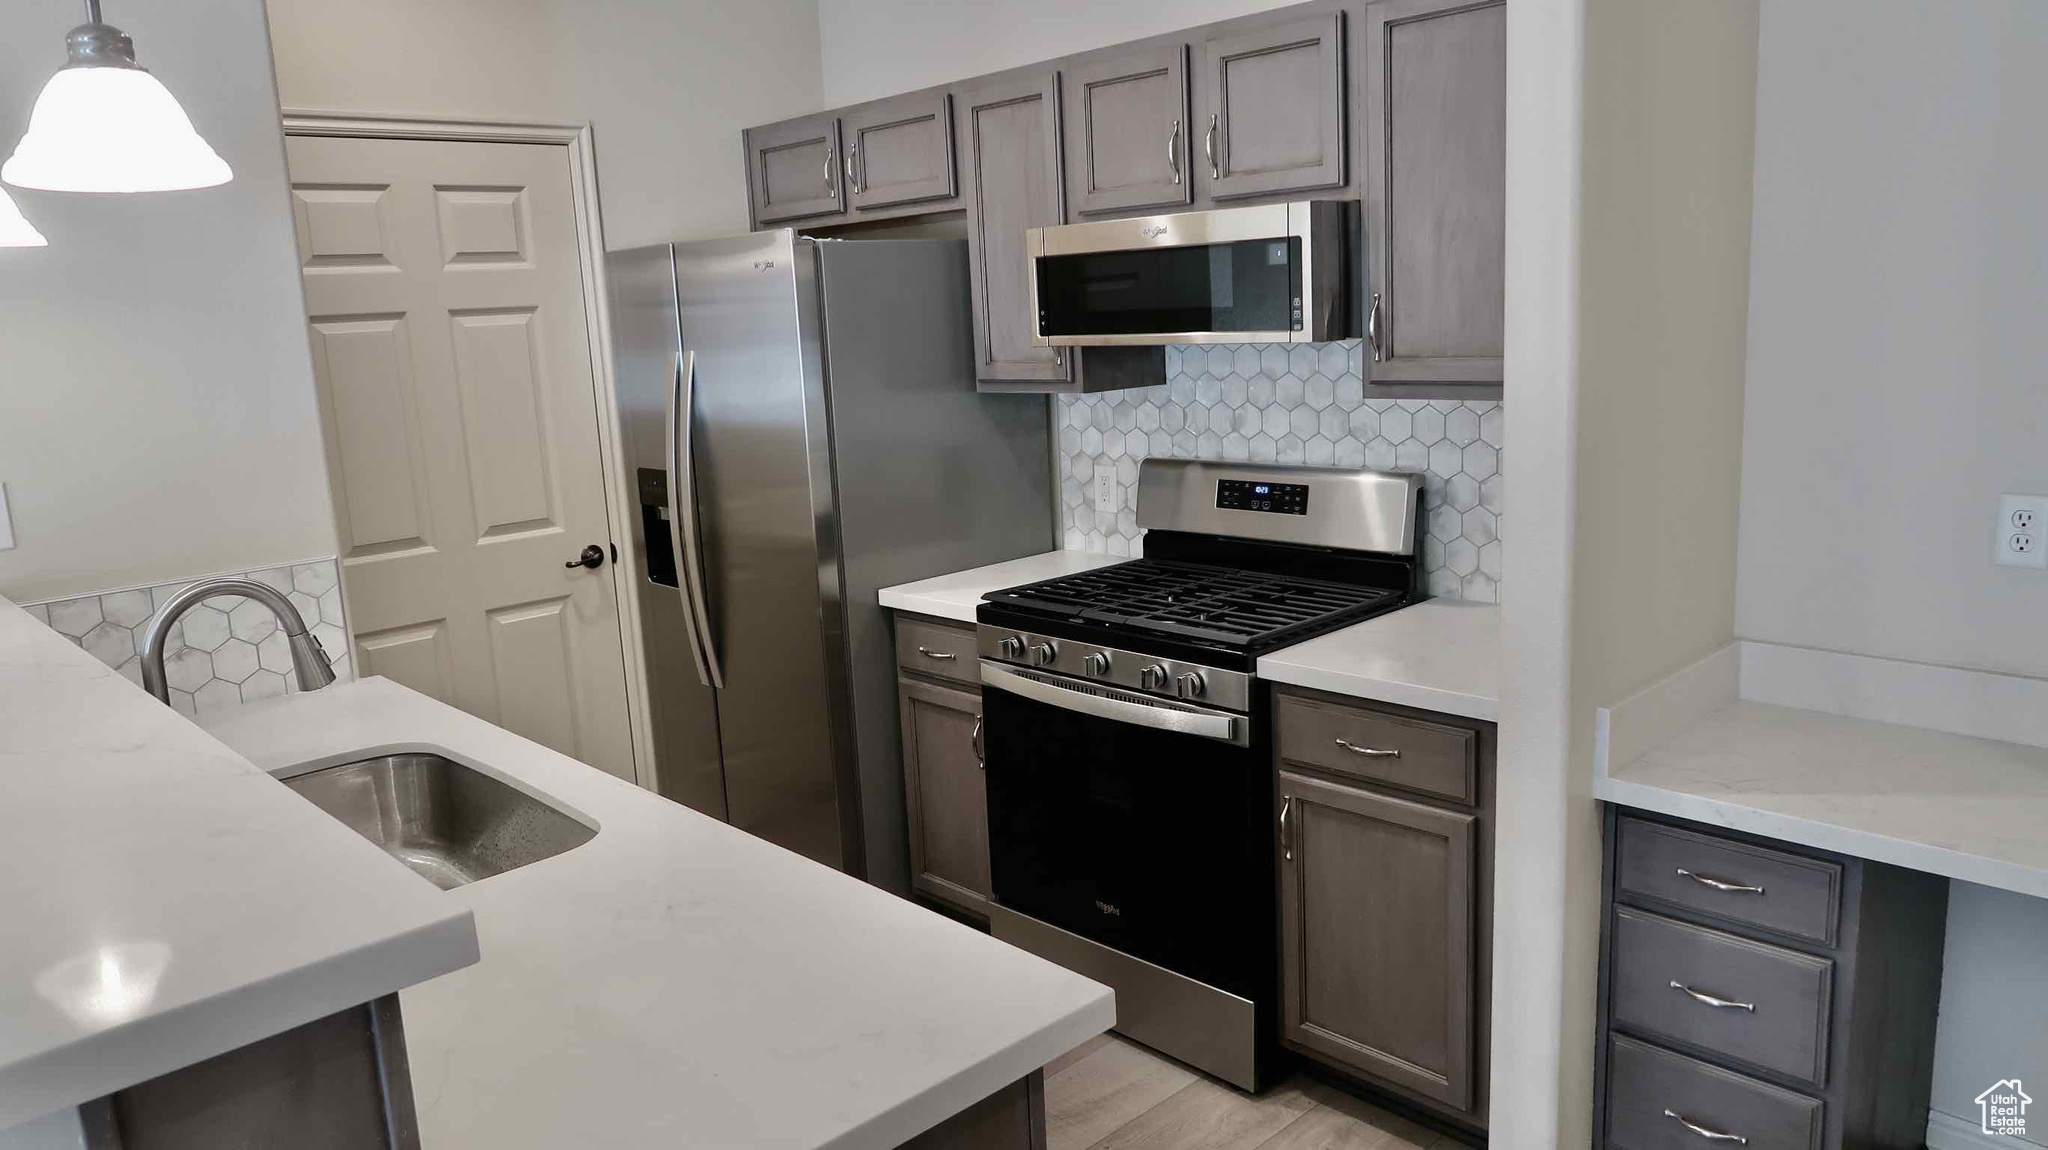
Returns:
point(882, 47)
point(1630, 139)
point(1895, 388)
point(1994, 1016)
point(157, 414)
point(1896, 336)
point(666, 85)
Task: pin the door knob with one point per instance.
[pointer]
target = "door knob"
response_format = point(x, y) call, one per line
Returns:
point(592, 557)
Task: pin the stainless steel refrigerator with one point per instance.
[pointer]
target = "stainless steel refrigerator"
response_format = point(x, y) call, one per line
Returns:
point(803, 428)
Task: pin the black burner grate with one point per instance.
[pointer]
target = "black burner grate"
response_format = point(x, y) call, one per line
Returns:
point(1227, 605)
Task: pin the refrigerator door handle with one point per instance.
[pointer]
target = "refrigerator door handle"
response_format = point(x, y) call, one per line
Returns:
point(682, 502)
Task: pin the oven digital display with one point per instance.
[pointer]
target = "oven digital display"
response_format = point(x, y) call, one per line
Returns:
point(1253, 495)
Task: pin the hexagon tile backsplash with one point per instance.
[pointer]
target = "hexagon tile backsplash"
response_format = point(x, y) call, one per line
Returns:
point(1305, 404)
point(224, 652)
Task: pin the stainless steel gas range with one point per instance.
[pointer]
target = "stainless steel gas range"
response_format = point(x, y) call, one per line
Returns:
point(1128, 739)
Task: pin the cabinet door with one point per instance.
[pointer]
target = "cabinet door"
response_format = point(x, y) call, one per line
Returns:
point(1376, 931)
point(1269, 108)
point(1436, 189)
point(1010, 136)
point(793, 169)
point(945, 793)
point(1127, 131)
point(899, 152)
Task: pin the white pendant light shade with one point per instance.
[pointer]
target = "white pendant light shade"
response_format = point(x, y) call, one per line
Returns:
point(103, 124)
point(16, 231)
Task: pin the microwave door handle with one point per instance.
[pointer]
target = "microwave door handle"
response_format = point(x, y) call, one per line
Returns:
point(682, 501)
point(1208, 725)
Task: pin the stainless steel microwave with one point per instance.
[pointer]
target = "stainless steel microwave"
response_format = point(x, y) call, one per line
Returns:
point(1271, 273)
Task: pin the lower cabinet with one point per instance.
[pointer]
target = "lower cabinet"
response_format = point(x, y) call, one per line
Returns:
point(1761, 994)
point(1376, 917)
point(1385, 904)
point(945, 793)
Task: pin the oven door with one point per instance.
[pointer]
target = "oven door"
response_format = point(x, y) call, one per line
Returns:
point(1140, 823)
point(1265, 274)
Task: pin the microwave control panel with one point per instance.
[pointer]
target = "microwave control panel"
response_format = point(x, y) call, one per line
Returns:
point(1258, 495)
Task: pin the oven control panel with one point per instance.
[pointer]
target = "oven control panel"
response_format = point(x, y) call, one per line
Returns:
point(1259, 495)
point(1134, 671)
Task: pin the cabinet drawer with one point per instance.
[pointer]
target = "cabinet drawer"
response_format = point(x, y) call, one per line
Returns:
point(1776, 1000)
point(1742, 883)
point(1652, 1094)
point(937, 650)
point(1420, 756)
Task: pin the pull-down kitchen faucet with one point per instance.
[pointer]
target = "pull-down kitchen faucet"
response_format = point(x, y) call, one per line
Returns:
point(309, 660)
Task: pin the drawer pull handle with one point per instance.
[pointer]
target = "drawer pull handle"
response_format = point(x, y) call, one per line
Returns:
point(1720, 884)
point(1368, 752)
point(1710, 1135)
point(931, 654)
point(1713, 1000)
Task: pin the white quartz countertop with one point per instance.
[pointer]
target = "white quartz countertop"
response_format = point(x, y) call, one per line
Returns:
point(955, 596)
point(1968, 808)
point(1440, 655)
point(162, 900)
point(677, 982)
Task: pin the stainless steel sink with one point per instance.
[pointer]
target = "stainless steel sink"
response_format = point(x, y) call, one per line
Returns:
point(450, 823)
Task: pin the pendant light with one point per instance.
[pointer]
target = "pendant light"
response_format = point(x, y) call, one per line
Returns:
point(104, 124)
point(15, 231)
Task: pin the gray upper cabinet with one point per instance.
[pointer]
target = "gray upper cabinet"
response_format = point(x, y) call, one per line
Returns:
point(898, 151)
point(1009, 132)
point(1436, 189)
point(1377, 915)
point(1269, 108)
point(793, 169)
point(1127, 131)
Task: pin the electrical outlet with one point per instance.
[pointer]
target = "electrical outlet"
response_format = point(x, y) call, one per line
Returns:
point(2020, 541)
point(1105, 490)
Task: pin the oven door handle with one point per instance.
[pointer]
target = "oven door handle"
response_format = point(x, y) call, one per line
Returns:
point(1205, 724)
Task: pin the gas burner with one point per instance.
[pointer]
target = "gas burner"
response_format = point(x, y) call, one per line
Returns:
point(1203, 603)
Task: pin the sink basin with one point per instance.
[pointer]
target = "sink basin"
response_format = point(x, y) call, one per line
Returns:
point(449, 823)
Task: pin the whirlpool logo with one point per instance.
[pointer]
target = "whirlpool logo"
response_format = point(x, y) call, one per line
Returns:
point(1109, 908)
point(1152, 231)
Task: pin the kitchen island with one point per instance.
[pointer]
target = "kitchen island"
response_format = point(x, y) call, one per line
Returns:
point(165, 902)
point(674, 981)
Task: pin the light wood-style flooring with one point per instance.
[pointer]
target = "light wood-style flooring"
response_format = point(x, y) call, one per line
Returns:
point(1110, 1094)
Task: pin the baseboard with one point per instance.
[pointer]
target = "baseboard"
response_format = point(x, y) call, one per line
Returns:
point(1948, 1132)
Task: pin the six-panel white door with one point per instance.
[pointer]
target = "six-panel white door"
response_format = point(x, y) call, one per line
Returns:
point(457, 395)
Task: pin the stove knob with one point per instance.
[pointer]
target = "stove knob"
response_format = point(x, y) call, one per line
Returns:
point(1044, 653)
point(1011, 647)
point(1152, 678)
point(1096, 663)
point(1191, 685)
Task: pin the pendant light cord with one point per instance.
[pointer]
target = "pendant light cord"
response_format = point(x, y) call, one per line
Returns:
point(92, 11)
